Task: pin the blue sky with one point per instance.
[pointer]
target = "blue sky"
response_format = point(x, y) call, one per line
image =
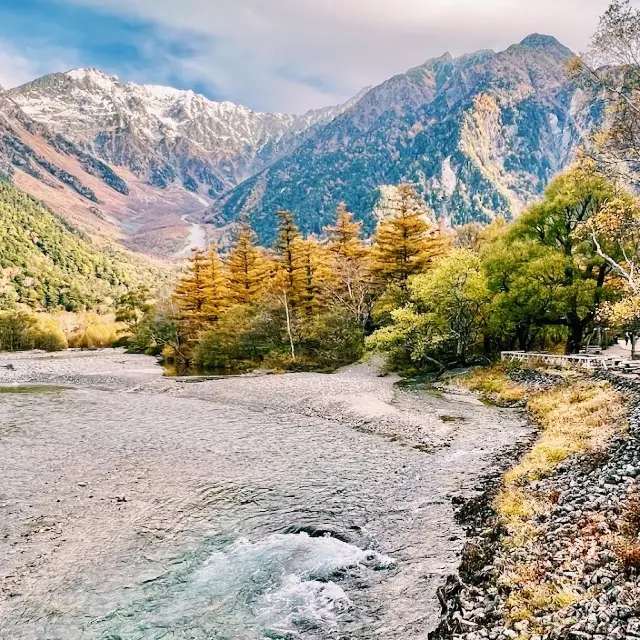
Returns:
point(54, 36)
point(279, 55)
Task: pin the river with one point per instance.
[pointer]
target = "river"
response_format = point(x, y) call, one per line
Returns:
point(300, 506)
point(197, 236)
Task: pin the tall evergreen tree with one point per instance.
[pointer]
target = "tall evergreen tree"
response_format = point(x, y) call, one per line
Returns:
point(350, 285)
point(290, 259)
point(318, 273)
point(191, 295)
point(344, 236)
point(217, 294)
point(404, 242)
point(247, 267)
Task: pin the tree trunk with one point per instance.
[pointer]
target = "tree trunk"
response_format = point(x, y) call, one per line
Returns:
point(486, 346)
point(634, 343)
point(576, 335)
point(289, 332)
point(521, 334)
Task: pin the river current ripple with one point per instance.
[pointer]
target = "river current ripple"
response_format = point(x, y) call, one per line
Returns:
point(302, 506)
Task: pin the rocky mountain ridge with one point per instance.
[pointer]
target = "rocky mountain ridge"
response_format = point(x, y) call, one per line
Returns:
point(479, 135)
point(162, 134)
point(93, 196)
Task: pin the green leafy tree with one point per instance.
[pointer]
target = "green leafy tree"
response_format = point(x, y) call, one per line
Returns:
point(133, 305)
point(526, 281)
point(558, 224)
point(446, 319)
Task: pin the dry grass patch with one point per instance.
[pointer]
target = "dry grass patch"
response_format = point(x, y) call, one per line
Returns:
point(534, 597)
point(629, 553)
point(519, 511)
point(494, 382)
point(92, 331)
point(578, 417)
point(627, 546)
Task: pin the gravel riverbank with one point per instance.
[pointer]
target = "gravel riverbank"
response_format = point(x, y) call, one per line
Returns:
point(579, 546)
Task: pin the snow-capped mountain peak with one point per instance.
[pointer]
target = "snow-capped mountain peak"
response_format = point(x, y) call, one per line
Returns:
point(162, 133)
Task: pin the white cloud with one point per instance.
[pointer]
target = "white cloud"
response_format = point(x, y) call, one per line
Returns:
point(18, 66)
point(298, 54)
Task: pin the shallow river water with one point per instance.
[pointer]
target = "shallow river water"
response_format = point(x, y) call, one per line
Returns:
point(299, 506)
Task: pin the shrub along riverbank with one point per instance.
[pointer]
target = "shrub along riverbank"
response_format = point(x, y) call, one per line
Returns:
point(26, 330)
point(555, 552)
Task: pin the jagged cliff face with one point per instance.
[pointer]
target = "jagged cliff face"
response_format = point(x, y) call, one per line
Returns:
point(480, 135)
point(162, 134)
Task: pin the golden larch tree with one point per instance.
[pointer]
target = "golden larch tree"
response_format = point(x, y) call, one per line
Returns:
point(344, 237)
point(406, 242)
point(247, 267)
point(190, 295)
point(289, 258)
point(317, 264)
point(216, 286)
point(350, 285)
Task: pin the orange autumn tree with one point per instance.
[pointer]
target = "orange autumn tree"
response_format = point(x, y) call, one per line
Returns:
point(216, 286)
point(407, 241)
point(350, 287)
point(190, 295)
point(247, 267)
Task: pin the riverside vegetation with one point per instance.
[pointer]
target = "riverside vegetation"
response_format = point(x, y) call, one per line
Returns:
point(426, 297)
point(60, 288)
point(554, 554)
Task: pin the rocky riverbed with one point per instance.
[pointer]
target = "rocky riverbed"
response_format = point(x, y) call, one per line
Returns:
point(580, 545)
point(297, 506)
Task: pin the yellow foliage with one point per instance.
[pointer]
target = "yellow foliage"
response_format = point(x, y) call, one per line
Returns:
point(494, 383)
point(533, 597)
point(94, 332)
point(575, 418)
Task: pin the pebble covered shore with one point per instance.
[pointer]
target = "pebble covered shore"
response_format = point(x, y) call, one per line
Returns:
point(579, 541)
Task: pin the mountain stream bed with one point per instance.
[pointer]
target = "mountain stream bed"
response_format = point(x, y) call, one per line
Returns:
point(302, 506)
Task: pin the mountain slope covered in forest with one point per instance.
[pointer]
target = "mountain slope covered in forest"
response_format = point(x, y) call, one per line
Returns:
point(47, 264)
point(480, 136)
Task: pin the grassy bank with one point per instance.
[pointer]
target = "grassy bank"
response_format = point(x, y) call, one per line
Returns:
point(546, 533)
point(25, 330)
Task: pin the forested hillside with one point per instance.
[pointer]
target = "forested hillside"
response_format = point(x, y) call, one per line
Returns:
point(479, 136)
point(48, 265)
